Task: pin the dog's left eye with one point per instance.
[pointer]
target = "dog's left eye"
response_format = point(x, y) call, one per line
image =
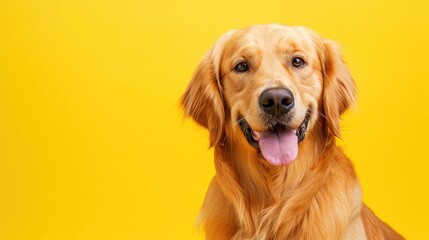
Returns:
point(297, 62)
point(241, 67)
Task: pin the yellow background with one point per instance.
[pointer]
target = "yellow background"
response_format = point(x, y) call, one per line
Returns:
point(94, 146)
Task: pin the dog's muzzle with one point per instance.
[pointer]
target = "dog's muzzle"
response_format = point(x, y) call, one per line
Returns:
point(252, 139)
point(279, 143)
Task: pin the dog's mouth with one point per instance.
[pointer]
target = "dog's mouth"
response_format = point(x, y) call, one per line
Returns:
point(278, 144)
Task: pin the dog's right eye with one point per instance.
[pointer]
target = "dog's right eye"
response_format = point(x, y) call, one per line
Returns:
point(298, 62)
point(241, 67)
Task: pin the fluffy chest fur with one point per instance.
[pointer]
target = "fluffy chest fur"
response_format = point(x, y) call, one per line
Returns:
point(317, 196)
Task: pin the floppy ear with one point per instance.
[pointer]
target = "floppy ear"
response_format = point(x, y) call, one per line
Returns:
point(202, 100)
point(339, 87)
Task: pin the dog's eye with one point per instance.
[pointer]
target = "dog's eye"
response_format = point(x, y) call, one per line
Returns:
point(297, 62)
point(241, 67)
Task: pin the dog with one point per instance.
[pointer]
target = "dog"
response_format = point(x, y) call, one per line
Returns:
point(271, 97)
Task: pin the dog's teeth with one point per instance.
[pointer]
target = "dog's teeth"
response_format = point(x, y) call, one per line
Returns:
point(255, 135)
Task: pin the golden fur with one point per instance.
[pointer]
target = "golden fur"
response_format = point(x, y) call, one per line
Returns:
point(317, 196)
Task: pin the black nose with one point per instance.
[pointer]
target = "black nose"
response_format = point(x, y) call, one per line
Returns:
point(276, 101)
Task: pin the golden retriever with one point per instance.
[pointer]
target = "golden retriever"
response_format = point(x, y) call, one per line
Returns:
point(271, 97)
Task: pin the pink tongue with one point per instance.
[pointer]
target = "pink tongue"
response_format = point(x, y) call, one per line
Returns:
point(279, 147)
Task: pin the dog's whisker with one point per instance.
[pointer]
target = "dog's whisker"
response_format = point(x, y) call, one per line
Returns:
point(321, 114)
point(233, 124)
point(324, 116)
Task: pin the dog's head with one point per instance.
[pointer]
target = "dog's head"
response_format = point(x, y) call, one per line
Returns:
point(272, 83)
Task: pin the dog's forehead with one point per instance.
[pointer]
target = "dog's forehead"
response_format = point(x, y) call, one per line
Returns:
point(272, 37)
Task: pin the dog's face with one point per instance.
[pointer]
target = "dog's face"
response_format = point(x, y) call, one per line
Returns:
point(272, 78)
point(271, 82)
